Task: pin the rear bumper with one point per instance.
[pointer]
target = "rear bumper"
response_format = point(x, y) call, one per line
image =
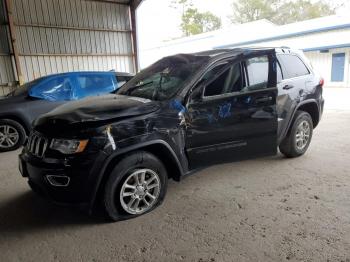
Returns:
point(69, 183)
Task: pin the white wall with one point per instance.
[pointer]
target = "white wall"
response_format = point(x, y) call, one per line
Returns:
point(322, 62)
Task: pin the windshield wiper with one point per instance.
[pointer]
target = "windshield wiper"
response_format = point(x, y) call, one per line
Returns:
point(138, 86)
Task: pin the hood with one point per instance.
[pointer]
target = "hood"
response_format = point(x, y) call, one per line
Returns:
point(95, 109)
point(7, 102)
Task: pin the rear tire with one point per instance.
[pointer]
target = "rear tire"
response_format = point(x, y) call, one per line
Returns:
point(299, 136)
point(12, 135)
point(127, 194)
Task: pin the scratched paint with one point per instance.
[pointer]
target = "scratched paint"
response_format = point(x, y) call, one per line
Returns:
point(225, 110)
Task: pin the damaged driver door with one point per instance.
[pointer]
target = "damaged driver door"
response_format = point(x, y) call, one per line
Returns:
point(232, 113)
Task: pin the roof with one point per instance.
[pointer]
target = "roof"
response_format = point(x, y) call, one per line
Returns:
point(260, 31)
point(276, 32)
point(89, 72)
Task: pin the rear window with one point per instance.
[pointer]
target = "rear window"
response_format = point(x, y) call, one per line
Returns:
point(294, 66)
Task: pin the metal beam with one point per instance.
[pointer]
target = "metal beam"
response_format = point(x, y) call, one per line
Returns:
point(74, 28)
point(8, 7)
point(135, 3)
point(133, 6)
point(108, 2)
point(66, 54)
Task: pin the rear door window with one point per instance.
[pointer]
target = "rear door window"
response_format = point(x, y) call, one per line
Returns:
point(294, 66)
point(92, 85)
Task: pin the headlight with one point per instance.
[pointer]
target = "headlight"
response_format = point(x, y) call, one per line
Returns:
point(68, 146)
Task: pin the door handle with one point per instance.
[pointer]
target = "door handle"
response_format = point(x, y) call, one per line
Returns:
point(286, 87)
point(263, 99)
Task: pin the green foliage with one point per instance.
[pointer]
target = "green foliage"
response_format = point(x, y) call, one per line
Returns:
point(301, 10)
point(279, 11)
point(193, 21)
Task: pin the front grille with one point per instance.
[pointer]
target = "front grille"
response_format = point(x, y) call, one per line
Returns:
point(37, 144)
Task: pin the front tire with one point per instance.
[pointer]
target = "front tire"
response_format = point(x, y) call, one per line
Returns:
point(136, 186)
point(299, 136)
point(12, 135)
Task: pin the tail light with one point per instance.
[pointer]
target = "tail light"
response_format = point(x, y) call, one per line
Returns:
point(321, 82)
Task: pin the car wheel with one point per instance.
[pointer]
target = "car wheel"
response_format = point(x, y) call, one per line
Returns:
point(136, 186)
point(299, 136)
point(12, 135)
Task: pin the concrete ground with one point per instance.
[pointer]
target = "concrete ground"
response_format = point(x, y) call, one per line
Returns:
point(269, 209)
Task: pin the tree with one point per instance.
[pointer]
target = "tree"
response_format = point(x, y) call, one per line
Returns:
point(301, 10)
point(193, 21)
point(183, 4)
point(251, 10)
point(279, 11)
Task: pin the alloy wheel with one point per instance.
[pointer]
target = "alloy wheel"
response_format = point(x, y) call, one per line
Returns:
point(8, 136)
point(140, 191)
point(302, 135)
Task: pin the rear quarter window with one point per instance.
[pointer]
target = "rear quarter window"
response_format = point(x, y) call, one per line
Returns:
point(91, 85)
point(294, 66)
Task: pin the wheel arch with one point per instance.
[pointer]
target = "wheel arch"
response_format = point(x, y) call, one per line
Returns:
point(17, 119)
point(159, 148)
point(310, 107)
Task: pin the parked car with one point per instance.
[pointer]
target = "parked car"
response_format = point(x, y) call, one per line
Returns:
point(20, 107)
point(181, 114)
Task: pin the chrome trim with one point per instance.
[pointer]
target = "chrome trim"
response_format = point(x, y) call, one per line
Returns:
point(53, 182)
point(37, 144)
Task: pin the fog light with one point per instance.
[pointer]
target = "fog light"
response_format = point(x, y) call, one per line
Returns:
point(59, 181)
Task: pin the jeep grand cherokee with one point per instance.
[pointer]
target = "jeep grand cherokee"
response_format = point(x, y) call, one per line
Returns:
point(183, 113)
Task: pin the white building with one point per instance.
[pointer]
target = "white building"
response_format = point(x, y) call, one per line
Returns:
point(325, 41)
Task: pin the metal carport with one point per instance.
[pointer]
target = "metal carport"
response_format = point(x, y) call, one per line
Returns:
point(41, 37)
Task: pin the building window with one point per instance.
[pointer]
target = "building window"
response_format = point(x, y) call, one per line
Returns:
point(338, 64)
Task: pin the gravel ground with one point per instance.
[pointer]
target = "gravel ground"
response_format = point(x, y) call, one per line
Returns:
point(269, 209)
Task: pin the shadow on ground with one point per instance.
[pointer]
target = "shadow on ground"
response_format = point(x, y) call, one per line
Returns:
point(27, 212)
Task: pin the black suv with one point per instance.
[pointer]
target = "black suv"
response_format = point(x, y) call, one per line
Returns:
point(183, 113)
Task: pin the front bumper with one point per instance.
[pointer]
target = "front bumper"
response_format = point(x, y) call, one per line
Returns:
point(63, 181)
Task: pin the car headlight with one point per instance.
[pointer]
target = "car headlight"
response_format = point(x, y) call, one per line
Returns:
point(68, 147)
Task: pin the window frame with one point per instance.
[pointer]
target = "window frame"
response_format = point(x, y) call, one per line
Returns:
point(244, 62)
point(190, 97)
point(278, 64)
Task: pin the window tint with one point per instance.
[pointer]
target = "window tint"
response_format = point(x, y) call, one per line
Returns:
point(91, 85)
point(279, 73)
point(294, 66)
point(229, 81)
point(56, 89)
point(258, 72)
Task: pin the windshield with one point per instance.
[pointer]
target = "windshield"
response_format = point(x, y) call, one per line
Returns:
point(24, 89)
point(165, 78)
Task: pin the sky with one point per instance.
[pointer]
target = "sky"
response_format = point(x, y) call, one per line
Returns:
point(159, 22)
